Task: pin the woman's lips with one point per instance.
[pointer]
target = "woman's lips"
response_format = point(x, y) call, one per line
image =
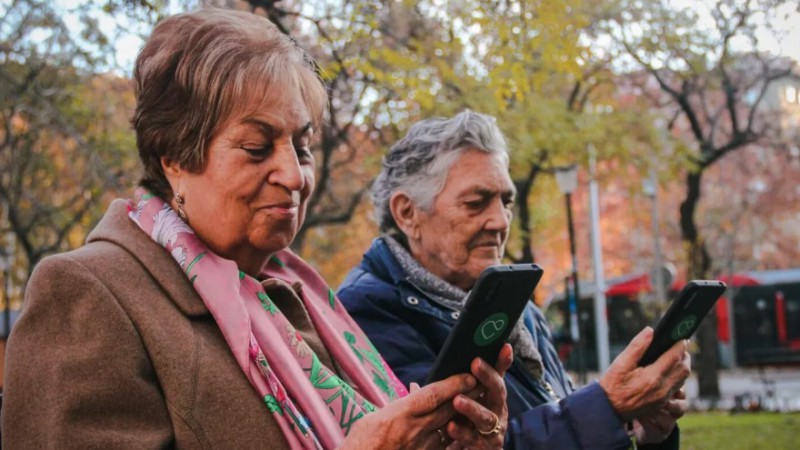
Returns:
point(487, 243)
point(288, 209)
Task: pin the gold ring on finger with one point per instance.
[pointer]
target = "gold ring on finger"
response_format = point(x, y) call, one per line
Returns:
point(495, 428)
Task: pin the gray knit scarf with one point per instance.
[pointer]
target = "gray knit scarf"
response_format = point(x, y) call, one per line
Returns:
point(453, 298)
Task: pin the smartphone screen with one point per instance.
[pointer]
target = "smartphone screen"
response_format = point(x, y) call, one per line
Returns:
point(683, 316)
point(490, 313)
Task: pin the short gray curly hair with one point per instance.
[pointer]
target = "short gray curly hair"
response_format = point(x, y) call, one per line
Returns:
point(419, 163)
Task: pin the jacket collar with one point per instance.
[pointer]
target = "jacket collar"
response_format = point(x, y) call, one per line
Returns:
point(117, 228)
point(380, 261)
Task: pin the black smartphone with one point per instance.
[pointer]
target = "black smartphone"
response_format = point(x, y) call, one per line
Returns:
point(490, 313)
point(683, 316)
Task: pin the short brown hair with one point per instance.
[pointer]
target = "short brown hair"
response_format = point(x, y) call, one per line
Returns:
point(197, 70)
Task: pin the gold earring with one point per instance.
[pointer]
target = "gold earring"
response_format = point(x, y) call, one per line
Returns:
point(179, 200)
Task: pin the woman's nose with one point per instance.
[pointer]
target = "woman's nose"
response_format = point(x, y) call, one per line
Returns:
point(286, 170)
point(499, 216)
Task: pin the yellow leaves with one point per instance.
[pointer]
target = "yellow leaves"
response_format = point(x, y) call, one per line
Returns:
point(334, 250)
point(426, 99)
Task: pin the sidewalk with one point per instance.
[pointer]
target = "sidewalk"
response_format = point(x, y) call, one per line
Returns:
point(770, 388)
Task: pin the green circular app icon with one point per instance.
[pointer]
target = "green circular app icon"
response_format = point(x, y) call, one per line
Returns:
point(684, 328)
point(491, 329)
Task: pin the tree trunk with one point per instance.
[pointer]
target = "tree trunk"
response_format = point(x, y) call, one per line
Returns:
point(524, 188)
point(526, 255)
point(699, 263)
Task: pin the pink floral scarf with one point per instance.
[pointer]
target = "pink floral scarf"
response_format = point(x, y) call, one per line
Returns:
point(314, 408)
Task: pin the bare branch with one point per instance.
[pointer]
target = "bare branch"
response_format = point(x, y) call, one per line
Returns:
point(344, 216)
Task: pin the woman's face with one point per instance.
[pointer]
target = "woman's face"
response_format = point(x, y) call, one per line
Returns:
point(466, 229)
point(251, 197)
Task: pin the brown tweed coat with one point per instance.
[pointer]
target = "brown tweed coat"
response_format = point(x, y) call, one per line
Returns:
point(114, 349)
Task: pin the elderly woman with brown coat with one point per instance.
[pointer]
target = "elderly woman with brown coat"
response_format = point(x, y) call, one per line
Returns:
point(185, 322)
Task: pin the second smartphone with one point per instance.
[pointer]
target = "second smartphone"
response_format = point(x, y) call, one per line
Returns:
point(683, 316)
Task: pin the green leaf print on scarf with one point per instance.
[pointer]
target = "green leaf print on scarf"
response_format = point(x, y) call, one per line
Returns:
point(277, 261)
point(298, 422)
point(194, 261)
point(368, 407)
point(350, 410)
point(382, 384)
point(380, 376)
point(267, 304)
point(191, 264)
point(272, 404)
point(348, 336)
point(320, 377)
point(348, 390)
point(332, 299)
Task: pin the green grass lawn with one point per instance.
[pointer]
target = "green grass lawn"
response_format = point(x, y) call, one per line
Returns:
point(721, 430)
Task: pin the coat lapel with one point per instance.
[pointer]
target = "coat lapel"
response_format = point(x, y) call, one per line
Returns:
point(117, 228)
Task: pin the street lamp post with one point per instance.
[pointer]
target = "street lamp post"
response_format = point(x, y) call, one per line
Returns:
point(600, 316)
point(650, 188)
point(567, 180)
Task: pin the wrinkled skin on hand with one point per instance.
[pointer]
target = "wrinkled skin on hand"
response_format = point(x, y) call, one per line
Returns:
point(483, 408)
point(410, 422)
point(657, 426)
point(640, 392)
point(445, 413)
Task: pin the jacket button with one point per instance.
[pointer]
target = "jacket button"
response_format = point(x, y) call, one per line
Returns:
point(413, 300)
point(455, 314)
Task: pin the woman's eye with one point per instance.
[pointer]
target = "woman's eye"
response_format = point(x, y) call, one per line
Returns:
point(258, 152)
point(302, 148)
point(304, 154)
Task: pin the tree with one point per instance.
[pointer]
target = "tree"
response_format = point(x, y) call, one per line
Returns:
point(531, 65)
point(713, 80)
point(390, 63)
point(750, 211)
point(62, 142)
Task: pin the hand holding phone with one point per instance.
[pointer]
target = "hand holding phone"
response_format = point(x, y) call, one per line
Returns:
point(684, 315)
point(490, 313)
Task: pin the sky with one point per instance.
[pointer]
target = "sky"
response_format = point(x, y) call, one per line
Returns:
point(786, 23)
point(784, 41)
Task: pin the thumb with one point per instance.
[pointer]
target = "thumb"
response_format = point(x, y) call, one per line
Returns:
point(635, 350)
point(504, 359)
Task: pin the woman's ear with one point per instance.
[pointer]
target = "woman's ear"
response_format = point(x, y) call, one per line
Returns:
point(405, 214)
point(173, 171)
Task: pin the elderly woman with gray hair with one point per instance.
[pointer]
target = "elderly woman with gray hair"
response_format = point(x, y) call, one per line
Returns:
point(443, 202)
